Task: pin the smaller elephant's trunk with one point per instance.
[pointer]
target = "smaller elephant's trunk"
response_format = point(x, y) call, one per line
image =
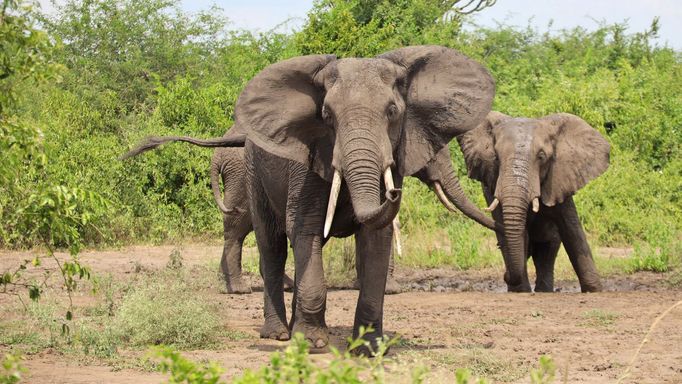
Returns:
point(216, 174)
point(515, 239)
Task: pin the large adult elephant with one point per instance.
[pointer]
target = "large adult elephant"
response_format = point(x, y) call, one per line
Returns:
point(227, 165)
point(328, 142)
point(530, 168)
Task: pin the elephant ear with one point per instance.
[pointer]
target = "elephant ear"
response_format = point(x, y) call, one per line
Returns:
point(447, 94)
point(581, 154)
point(280, 111)
point(478, 147)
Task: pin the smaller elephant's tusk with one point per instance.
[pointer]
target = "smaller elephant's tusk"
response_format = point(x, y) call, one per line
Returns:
point(331, 207)
point(493, 205)
point(388, 179)
point(536, 204)
point(396, 234)
point(443, 199)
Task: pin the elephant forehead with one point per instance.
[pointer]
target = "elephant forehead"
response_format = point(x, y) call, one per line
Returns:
point(366, 71)
point(516, 128)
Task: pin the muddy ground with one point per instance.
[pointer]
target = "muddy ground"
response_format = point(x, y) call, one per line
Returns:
point(446, 318)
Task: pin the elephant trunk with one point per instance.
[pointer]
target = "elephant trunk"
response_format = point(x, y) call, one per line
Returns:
point(515, 200)
point(216, 171)
point(363, 163)
point(514, 213)
point(454, 193)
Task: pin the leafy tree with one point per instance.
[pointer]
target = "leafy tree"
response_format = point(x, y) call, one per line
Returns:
point(43, 210)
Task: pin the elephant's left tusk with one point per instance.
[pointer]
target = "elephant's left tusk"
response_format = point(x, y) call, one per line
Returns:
point(493, 205)
point(333, 197)
point(396, 234)
point(443, 199)
point(536, 205)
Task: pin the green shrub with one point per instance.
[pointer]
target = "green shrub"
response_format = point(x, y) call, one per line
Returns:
point(165, 310)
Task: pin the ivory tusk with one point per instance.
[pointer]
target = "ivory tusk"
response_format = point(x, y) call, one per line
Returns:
point(536, 204)
point(388, 179)
point(493, 205)
point(331, 207)
point(443, 199)
point(396, 234)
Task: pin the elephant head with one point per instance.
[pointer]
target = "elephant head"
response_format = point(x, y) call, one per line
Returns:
point(362, 120)
point(524, 162)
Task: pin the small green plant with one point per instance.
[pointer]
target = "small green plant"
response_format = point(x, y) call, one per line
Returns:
point(463, 376)
point(11, 369)
point(174, 259)
point(648, 258)
point(183, 370)
point(545, 372)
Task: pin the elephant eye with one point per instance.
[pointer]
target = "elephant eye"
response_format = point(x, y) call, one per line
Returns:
point(326, 115)
point(392, 111)
point(542, 156)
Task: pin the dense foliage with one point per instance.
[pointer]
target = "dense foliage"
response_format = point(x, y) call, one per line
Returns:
point(136, 68)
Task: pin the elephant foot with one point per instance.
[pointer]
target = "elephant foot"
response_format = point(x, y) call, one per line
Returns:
point(237, 286)
point(288, 283)
point(371, 347)
point(597, 287)
point(543, 288)
point(274, 329)
point(392, 286)
point(519, 288)
point(317, 336)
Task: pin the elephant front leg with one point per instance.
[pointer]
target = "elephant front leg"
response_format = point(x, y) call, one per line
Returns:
point(373, 251)
point(575, 242)
point(310, 293)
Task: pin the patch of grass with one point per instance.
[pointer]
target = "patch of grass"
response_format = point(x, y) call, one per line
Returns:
point(675, 279)
point(481, 362)
point(164, 311)
point(599, 318)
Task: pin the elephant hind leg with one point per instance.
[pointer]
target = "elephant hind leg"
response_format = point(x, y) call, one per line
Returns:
point(236, 226)
point(272, 247)
point(544, 256)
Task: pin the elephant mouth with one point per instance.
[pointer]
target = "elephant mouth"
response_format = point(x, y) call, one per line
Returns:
point(372, 217)
point(535, 204)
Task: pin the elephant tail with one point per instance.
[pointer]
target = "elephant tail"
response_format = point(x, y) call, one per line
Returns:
point(216, 171)
point(230, 140)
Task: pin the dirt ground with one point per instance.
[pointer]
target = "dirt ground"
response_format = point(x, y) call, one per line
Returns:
point(446, 318)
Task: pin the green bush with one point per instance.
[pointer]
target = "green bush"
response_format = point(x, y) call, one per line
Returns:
point(191, 72)
point(165, 310)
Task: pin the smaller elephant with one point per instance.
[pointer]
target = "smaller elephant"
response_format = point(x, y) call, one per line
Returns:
point(227, 164)
point(530, 168)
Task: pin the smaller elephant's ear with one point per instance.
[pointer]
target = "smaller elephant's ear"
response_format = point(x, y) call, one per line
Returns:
point(478, 147)
point(279, 110)
point(581, 154)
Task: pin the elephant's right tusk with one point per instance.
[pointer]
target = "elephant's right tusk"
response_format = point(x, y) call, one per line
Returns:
point(388, 180)
point(443, 199)
point(396, 234)
point(493, 205)
point(536, 205)
point(331, 207)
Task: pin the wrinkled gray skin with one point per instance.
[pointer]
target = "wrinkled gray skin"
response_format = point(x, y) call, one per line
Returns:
point(549, 158)
point(304, 119)
point(227, 165)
